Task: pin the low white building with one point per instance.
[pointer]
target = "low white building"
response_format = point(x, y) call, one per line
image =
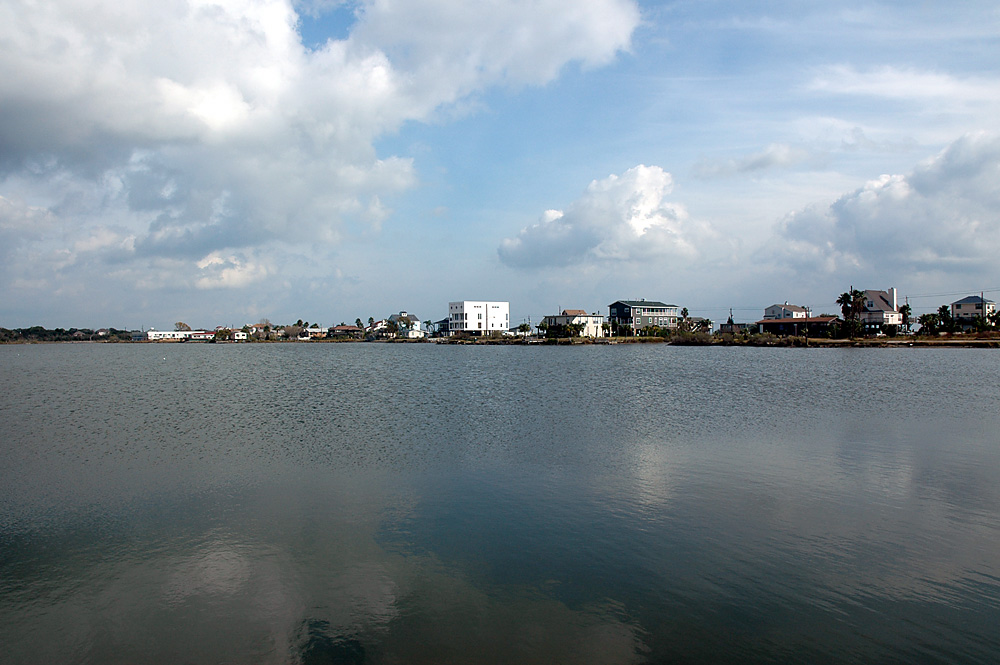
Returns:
point(154, 335)
point(478, 317)
point(592, 325)
point(785, 311)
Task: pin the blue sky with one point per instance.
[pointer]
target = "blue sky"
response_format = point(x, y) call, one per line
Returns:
point(223, 162)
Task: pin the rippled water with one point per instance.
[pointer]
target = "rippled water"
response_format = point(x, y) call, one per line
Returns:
point(364, 503)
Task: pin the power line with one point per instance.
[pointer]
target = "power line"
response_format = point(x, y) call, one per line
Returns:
point(954, 293)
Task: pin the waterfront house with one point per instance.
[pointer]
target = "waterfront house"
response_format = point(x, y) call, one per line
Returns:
point(735, 328)
point(591, 325)
point(880, 308)
point(341, 332)
point(700, 323)
point(968, 309)
point(478, 317)
point(154, 335)
point(408, 325)
point(638, 314)
point(813, 326)
point(785, 311)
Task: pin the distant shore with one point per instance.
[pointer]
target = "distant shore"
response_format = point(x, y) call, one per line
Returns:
point(981, 340)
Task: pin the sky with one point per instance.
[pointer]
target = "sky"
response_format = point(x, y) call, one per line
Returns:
point(222, 162)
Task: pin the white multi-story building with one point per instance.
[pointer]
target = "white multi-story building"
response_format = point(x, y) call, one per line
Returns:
point(478, 317)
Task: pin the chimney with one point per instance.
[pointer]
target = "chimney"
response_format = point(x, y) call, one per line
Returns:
point(892, 299)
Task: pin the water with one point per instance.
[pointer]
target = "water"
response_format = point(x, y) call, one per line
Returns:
point(359, 503)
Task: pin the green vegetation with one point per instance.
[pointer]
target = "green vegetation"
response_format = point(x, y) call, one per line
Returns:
point(40, 334)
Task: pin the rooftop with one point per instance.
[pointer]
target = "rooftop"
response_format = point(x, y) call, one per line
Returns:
point(642, 303)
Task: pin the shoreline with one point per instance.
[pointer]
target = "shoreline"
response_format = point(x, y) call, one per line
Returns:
point(780, 342)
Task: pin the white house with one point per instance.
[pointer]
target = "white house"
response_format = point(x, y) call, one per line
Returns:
point(785, 311)
point(880, 308)
point(408, 325)
point(593, 324)
point(154, 335)
point(478, 317)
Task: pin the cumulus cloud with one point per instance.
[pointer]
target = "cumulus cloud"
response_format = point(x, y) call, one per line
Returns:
point(621, 218)
point(229, 272)
point(944, 215)
point(195, 127)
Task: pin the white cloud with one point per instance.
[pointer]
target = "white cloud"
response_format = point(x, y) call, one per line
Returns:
point(944, 216)
point(156, 131)
point(775, 155)
point(229, 272)
point(221, 96)
point(517, 41)
point(895, 83)
point(620, 218)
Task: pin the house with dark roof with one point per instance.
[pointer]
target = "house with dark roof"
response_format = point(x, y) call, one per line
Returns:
point(968, 309)
point(880, 308)
point(638, 314)
point(408, 325)
point(345, 331)
point(812, 326)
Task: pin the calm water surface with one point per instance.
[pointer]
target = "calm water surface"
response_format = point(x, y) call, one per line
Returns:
point(360, 503)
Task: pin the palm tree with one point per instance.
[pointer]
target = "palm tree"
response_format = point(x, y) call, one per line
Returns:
point(945, 319)
point(928, 323)
point(906, 313)
point(357, 322)
point(846, 302)
point(851, 303)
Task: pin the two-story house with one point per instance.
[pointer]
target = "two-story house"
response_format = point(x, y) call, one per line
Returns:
point(968, 309)
point(880, 308)
point(592, 325)
point(638, 314)
point(407, 325)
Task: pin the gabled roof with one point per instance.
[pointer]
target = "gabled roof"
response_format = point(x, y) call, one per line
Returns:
point(642, 303)
point(973, 300)
point(790, 308)
point(574, 312)
point(880, 301)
